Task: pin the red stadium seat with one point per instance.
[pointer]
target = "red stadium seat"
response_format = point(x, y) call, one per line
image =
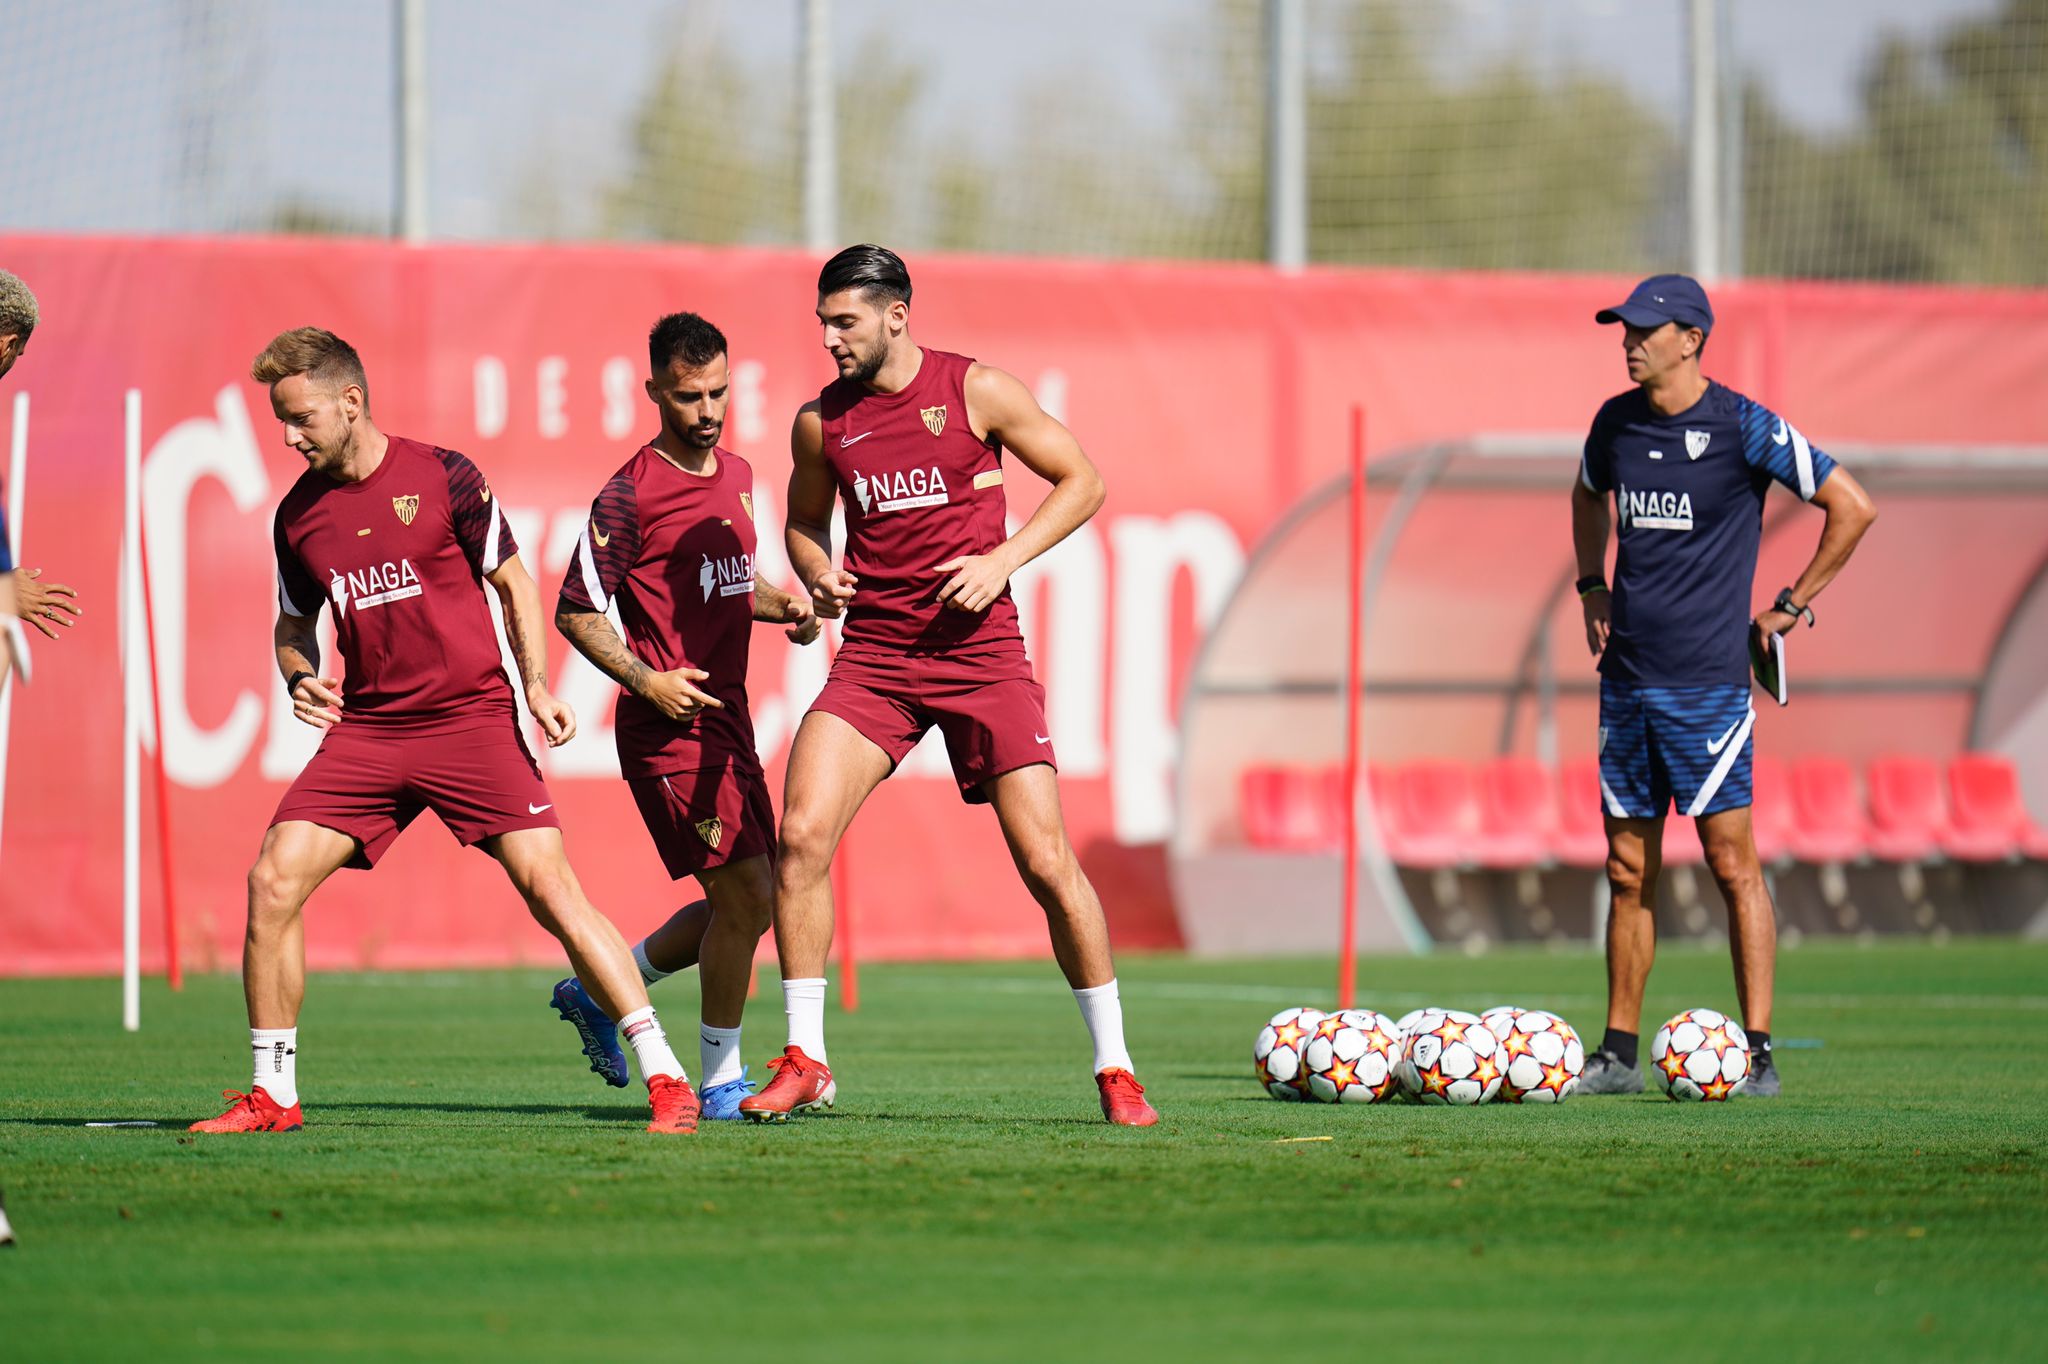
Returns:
point(1990, 818)
point(1517, 813)
point(1827, 815)
point(1581, 836)
point(1431, 817)
point(1770, 812)
point(1907, 820)
point(1282, 808)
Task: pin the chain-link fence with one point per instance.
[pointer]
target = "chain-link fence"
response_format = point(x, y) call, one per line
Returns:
point(1885, 139)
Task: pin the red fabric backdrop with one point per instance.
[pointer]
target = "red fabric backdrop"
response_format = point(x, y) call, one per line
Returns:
point(1210, 395)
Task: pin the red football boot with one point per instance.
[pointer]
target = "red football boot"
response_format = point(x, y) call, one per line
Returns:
point(675, 1104)
point(799, 1083)
point(1123, 1099)
point(254, 1112)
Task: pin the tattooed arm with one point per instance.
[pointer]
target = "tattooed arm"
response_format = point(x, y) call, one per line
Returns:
point(523, 631)
point(778, 607)
point(674, 694)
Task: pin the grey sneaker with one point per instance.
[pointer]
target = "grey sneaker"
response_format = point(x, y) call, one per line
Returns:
point(1763, 1079)
point(1605, 1074)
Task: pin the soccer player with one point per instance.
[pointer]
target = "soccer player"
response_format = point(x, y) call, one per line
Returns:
point(671, 542)
point(1688, 463)
point(23, 594)
point(912, 439)
point(395, 534)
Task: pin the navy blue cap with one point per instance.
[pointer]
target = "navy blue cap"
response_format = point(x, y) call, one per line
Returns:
point(1664, 298)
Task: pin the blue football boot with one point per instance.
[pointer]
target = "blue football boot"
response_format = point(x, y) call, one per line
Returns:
point(600, 1035)
point(723, 1101)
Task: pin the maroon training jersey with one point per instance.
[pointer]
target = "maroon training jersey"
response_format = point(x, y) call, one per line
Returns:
point(676, 551)
point(920, 490)
point(399, 556)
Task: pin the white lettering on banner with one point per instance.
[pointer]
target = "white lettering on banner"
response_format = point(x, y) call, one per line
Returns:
point(1150, 554)
point(493, 396)
point(622, 397)
point(224, 449)
point(1071, 582)
point(749, 411)
point(552, 378)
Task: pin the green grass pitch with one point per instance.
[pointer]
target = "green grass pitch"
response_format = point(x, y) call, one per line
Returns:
point(466, 1189)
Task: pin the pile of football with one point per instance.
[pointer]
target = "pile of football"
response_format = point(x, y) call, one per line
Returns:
point(1430, 1056)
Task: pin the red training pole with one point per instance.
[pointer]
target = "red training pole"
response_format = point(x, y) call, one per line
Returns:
point(176, 970)
point(842, 900)
point(1354, 709)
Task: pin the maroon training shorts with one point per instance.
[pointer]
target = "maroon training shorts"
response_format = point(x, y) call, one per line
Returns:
point(988, 706)
point(707, 818)
point(370, 783)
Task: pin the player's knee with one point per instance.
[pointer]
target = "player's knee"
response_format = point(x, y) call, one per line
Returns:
point(803, 848)
point(1625, 873)
point(1048, 865)
point(274, 894)
point(1732, 864)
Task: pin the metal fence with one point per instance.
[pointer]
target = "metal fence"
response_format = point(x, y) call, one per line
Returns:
point(1884, 139)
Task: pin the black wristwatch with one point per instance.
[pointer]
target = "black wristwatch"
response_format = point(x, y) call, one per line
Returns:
point(291, 684)
point(1791, 608)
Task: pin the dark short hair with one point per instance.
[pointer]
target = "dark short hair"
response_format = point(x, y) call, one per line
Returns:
point(876, 271)
point(685, 337)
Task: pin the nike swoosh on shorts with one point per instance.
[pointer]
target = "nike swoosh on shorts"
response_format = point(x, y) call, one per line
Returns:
point(1716, 745)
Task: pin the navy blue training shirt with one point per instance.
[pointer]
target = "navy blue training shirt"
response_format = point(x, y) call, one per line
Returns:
point(1689, 501)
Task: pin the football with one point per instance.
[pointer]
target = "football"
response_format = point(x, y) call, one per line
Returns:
point(1541, 1058)
point(1700, 1055)
point(1276, 1055)
point(1450, 1058)
point(1406, 1022)
point(1350, 1057)
point(1498, 1017)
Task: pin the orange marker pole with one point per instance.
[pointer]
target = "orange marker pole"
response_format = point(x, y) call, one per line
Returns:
point(842, 901)
point(1354, 708)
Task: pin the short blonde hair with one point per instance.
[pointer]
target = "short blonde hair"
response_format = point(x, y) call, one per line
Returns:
point(18, 313)
point(315, 353)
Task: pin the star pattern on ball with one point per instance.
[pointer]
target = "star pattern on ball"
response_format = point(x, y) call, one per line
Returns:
point(1450, 1030)
point(1342, 1075)
point(1716, 1088)
point(1485, 1072)
point(1555, 1078)
point(1288, 1033)
point(1378, 1040)
point(1330, 1026)
point(1718, 1039)
point(1434, 1081)
point(1516, 1043)
point(1672, 1064)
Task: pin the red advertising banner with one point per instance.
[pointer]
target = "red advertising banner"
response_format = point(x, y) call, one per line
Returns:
point(1211, 397)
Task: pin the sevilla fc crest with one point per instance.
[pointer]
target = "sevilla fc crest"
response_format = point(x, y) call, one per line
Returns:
point(407, 507)
point(747, 505)
point(1696, 443)
point(934, 418)
point(711, 831)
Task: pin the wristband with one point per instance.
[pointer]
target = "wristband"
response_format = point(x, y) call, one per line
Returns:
point(1590, 584)
point(1789, 607)
point(291, 684)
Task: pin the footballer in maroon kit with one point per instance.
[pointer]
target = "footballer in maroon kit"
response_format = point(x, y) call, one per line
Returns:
point(395, 535)
point(670, 544)
point(911, 440)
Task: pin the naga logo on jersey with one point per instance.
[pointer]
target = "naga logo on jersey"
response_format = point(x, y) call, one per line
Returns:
point(903, 490)
point(934, 418)
point(728, 577)
point(711, 830)
point(407, 507)
point(1696, 443)
point(373, 586)
point(1654, 510)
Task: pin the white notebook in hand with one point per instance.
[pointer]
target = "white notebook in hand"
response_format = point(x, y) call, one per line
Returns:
point(1767, 662)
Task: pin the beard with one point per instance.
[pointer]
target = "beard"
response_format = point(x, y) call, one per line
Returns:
point(696, 438)
point(866, 367)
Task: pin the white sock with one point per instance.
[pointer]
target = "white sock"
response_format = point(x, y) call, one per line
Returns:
point(718, 1051)
point(650, 1045)
point(804, 1002)
point(1103, 1012)
point(277, 1063)
point(649, 972)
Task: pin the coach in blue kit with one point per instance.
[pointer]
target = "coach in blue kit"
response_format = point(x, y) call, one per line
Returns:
point(1688, 463)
